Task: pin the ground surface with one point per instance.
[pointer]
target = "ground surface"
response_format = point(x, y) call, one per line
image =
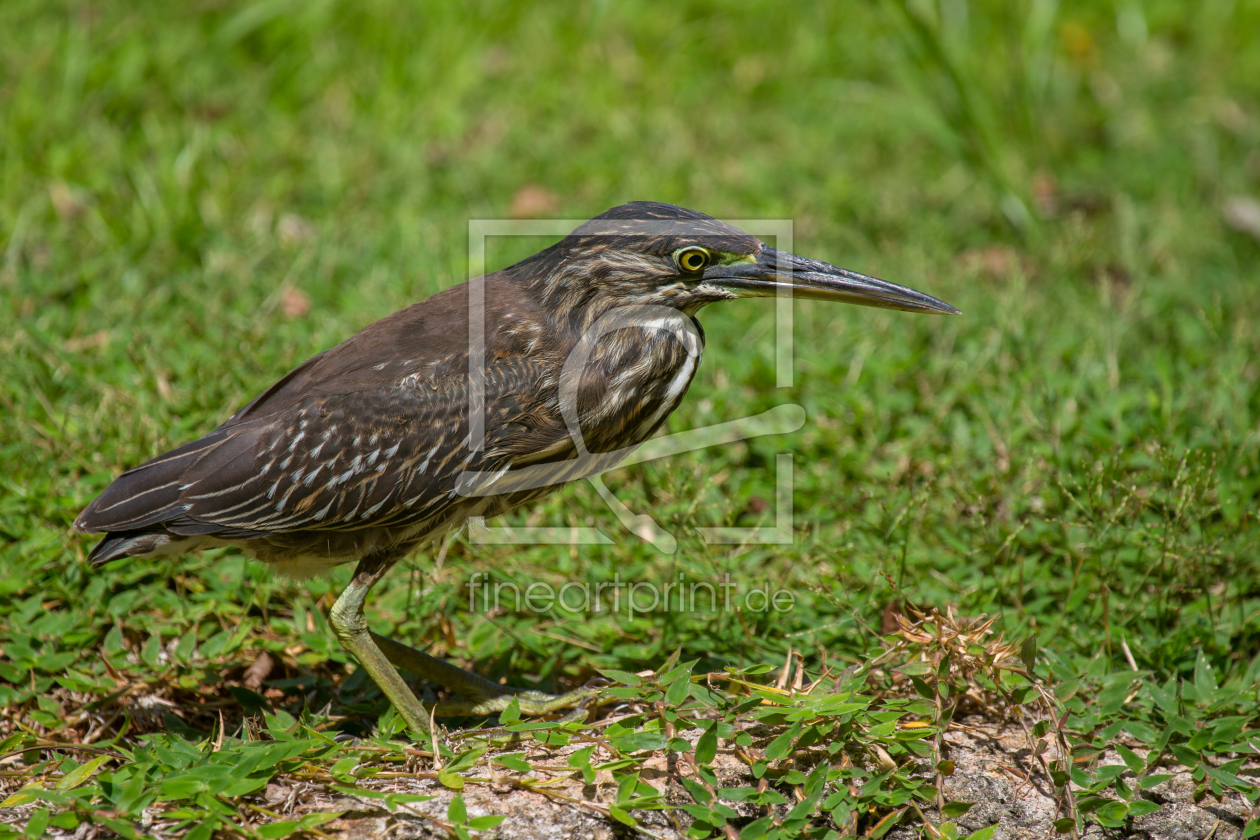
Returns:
point(194, 199)
point(991, 769)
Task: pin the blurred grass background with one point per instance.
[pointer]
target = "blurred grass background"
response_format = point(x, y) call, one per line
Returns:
point(196, 197)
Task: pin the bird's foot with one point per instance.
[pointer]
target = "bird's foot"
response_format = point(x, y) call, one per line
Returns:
point(532, 703)
point(486, 697)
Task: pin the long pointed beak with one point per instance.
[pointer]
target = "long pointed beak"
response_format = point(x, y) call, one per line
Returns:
point(778, 271)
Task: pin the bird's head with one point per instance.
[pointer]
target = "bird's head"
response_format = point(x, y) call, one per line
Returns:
point(650, 253)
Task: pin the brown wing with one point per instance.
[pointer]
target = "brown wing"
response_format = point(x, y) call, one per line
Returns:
point(371, 433)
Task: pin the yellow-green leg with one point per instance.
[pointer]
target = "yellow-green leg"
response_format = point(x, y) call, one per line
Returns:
point(350, 625)
point(378, 656)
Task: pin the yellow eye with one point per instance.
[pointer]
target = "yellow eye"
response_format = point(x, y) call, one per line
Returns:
point(693, 260)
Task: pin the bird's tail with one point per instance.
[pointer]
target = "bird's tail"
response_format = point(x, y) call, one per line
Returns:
point(113, 547)
point(138, 544)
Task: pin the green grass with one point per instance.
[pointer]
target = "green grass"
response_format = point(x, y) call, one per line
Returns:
point(1077, 456)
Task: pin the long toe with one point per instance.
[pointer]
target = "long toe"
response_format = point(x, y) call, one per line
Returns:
point(531, 703)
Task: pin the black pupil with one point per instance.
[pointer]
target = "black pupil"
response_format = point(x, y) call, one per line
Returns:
point(693, 261)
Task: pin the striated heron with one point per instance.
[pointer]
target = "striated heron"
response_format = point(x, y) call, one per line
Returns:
point(399, 434)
